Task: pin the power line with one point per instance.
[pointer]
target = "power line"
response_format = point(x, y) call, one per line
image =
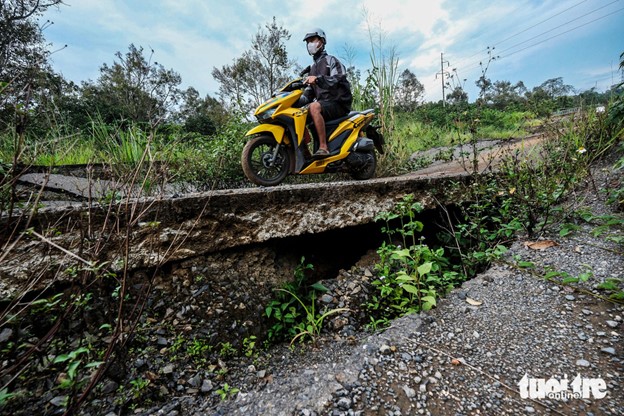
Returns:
point(528, 28)
point(561, 25)
point(563, 33)
point(543, 21)
point(475, 65)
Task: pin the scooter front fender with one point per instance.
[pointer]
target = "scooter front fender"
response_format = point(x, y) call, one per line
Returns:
point(278, 132)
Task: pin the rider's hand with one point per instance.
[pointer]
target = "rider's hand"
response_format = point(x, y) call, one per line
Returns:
point(311, 80)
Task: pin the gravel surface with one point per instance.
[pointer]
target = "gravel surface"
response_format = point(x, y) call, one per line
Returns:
point(468, 356)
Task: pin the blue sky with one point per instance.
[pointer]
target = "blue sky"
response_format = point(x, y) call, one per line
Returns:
point(533, 40)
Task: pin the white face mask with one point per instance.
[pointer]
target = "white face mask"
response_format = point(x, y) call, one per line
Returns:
point(314, 47)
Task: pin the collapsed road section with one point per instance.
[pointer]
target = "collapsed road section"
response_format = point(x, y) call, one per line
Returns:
point(151, 232)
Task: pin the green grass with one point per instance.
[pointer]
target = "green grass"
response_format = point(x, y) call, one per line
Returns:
point(216, 159)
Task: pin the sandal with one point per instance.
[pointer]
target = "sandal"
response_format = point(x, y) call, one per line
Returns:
point(320, 153)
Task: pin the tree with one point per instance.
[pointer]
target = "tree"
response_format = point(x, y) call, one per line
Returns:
point(259, 72)
point(19, 32)
point(133, 89)
point(24, 69)
point(555, 88)
point(591, 97)
point(485, 86)
point(540, 102)
point(457, 96)
point(409, 91)
point(201, 115)
point(552, 93)
point(504, 95)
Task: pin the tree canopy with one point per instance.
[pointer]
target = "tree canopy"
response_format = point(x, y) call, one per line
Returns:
point(258, 72)
point(25, 74)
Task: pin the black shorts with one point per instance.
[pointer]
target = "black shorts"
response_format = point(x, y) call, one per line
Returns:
point(332, 110)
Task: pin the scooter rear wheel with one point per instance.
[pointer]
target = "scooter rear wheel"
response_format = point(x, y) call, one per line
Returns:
point(265, 162)
point(368, 171)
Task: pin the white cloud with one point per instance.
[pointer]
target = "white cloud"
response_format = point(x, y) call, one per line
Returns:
point(194, 36)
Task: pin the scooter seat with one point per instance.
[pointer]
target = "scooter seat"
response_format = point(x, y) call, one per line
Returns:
point(337, 121)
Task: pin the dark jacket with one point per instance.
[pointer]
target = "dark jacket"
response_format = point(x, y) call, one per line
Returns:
point(331, 83)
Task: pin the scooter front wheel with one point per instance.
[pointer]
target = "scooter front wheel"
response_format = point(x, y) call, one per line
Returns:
point(265, 162)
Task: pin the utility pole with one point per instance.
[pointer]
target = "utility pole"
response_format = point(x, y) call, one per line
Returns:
point(442, 73)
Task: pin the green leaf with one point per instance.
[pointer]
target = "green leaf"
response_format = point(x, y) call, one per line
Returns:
point(429, 299)
point(424, 268)
point(400, 254)
point(569, 280)
point(5, 395)
point(583, 277)
point(94, 364)
point(617, 296)
point(410, 288)
point(551, 275)
point(404, 277)
point(608, 285)
point(526, 264)
point(72, 368)
point(60, 358)
point(318, 286)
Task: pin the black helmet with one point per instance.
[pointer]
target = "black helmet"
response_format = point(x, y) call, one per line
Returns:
point(316, 32)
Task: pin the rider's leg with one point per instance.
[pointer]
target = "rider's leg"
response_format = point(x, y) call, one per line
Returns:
point(319, 123)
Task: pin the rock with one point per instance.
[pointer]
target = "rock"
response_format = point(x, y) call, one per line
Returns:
point(109, 387)
point(385, 349)
point(612, 324)
point(409, 392)
point(344, 403)
point(59, 401)
point(570, 297)
point(162, 341)
point(582, 363)
point(6, 334)
point(195, 380)
point(327, 298)
point(608, 350)
point(206, 386)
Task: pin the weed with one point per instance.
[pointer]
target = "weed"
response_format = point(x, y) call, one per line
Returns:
point(198, 349)
point(312, 323)
point(249, 346)
point(5, 396)
point(294, 311)
point(227, 350)
point(226, 392)
point(73, 363)
point(615, 287)
point(138, 386)
point(411, 276)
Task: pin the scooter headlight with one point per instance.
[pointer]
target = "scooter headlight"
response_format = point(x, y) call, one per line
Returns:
point(265, 115)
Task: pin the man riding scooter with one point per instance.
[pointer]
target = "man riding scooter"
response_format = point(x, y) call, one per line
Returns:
point(328, 93)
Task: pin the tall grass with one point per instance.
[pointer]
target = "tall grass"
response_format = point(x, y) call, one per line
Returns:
point(384, 77)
